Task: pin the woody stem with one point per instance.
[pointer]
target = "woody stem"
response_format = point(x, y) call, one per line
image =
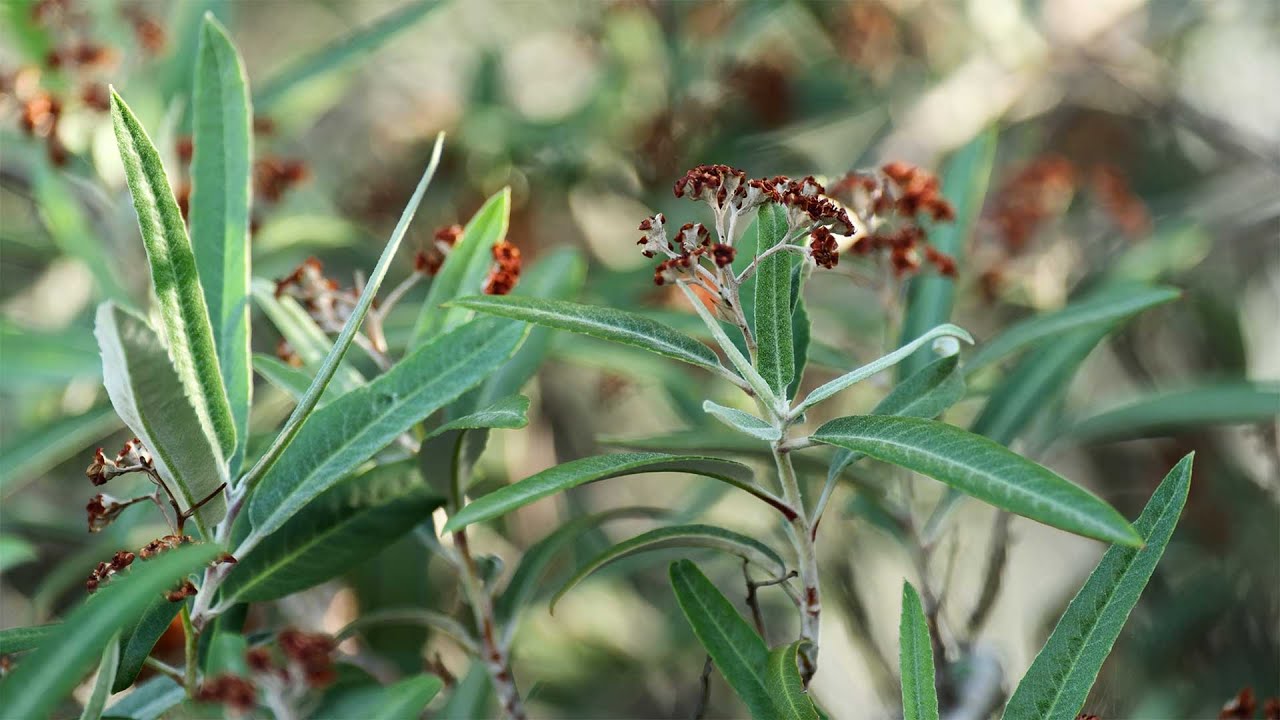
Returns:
point(494, 655)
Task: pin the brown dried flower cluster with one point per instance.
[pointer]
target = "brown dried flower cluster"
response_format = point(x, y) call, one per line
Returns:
point(505, 272)
point(239, 695)
point(1244, 706)
point(326, 301)
point(105, 570)
point(310, 655)
point(163, 544)
point(428, 262)
point(132, 458)
point(274, 176)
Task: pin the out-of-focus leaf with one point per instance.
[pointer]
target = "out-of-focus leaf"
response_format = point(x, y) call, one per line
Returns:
point(930, 297)
point(185, 327)
point(15, 551)
point(46, 677)
point(786, 686)
point(339, 53)
point(304, 336)
point(37, 358)
point(680, 536)
point(1058, 681)
point(337, 439)
point(915, 660)
point(333, 360)
point(25, 456)
point(857, 375)
point(1225, 403)
point(535, 561)
point(150, 398)
point(102, 684)
point(593, 469)
point(149, 700)
point(21, 639)
point(349, 522)
point(736, 649)
point(775, 354)
point(979, 467)
point(743, 422)
point(72, 232)
point(464, 269)
point(607, 323)
point(1109, 305)
point(139, 639)
point(286, 377)
point(928, 393)
point(401, 700)
point(226, 655)
point(220, 181)
point(801, 330)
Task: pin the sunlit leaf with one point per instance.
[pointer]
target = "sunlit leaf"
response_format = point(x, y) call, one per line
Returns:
point(743, 422)
point(1225, 403)
point(786, 686)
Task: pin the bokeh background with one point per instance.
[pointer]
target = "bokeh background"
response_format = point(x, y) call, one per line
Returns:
point(1130, 137)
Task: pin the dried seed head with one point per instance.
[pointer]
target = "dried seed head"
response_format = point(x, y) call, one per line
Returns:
point(723, 254)
point(102, 510)
point(654, 240)
point(101, 469)
point(238, 694)
point(505, 272)
point(824, 248)
point(162, 544)
point(185, 590)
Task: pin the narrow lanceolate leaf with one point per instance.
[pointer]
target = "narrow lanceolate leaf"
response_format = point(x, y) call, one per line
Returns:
point(149, 397)
point(681, 536)
point(149, 701)
point(743, 422)
point(307, 340)
point(775, 357)
point(535, 561)
point(1059, 679)
point(101, 692)
point(47, 676)
point(617, 326)
point(736, 649)
point(186, 328)
point(510, 413)
point(137, 640)
point(1107, 306)
point(979, 467)
point(401, 700)
point(929, 297)
point(345, 525)
point(915, 660)
point(593, 469)
point(220, 180)
point(924, 395)
point(21, 639)
point(333, 360)
point(1224, 403)
point(286, 377)
point(782, 677)
point(337, 439)
point(858, 375)
point(339, 53)
point(801, 331)
point(465, 268)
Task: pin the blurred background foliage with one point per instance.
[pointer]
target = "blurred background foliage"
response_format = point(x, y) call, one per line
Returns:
point(1126, 138)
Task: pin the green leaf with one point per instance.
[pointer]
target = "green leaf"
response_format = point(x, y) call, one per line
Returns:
point(593, 469)
point(472, 697)
point(339, 53)
point(775, 355)
point(1058, 681)
point(509, 413)
point(1105, 307)
point(1225, 403)
point(535, 561)
point(304, 336)
point(930, 297)
point(915, 660)
point(464, 269)
point(220, 181)
point(786, 686)
point(15, 551)
point(331, 362)
point(403, 700)
point(338, 438)
point(28, 455)
point(745, 369)
point(743, 422)
point(185, 326)
point(346, 524)
point(21, 639)
point(226, 654)
point(927, 394)
point(736, 649)
point(102, 684)
point(139, 639)
point(858, 375)
point(64, 216)
point(680, 536)
point(48, 675)
point(149, 397)
point(618, 326)
point(148, 701)
point(979, 467)
point(286, 377)
point(1034, 383)
point(34, 358)
point(801, 329)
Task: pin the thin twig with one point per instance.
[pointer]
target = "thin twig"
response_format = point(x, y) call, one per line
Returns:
point(753, 602)
point(997, 557)
point(704, 696)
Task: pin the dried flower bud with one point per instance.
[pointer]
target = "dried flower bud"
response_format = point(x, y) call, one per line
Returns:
point(101, 469)
point(506, 269)
point(134, 453)
point(448, 236)
point(1242, 706)
point(273, 176)
point(105, 570)
point(310, 653)
point(824, 248)
point(723, 254)
point(40, 114)
point(945, 264)
point(238, 694)
point(259, 660)
point(94, 96)
point(654, 240)
point(693, 236)
point(162, 544)
point(102, 511)
point(286, 353)
point(185, 148)
point(185, 590)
